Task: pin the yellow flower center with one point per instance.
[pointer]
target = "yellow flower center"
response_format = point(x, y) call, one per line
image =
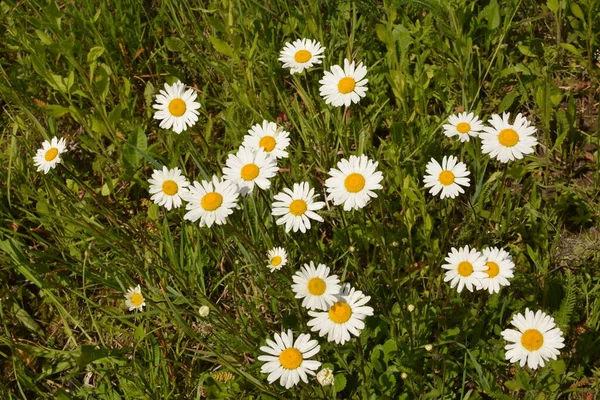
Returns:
point(465, 268)
point(446, 178)
point(51, 154)
point(340, 312)
point(354, 182)
point(316, 286)
point(346, 85)
point(463, 127)
point(136, 299)
point(532, 339)
point(302, 56)
point(211, 201)
point(249, 172)
point(275, 261)
point(493, 269)
point(268, 143)
point(169, 187)
point(508, 137)
point(298, 207)
point(177, 107)
point(290, 358)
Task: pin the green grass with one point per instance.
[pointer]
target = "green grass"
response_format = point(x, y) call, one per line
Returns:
point(74, 240)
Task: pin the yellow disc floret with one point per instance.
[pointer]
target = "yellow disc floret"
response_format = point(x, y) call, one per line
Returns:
point(508, 137)
point(302, 56)
point(268, 143)
point(51, 154)
point(169, 187)
point(290, 358)
point(298, 207)
point(532, 339)
point(340, 312)
point(465, 268)
point(211, 201)
point(249, 172)
point(177, 107)
point(316, 286)
point(446, 178)
point(354, 182)
point(346, 85)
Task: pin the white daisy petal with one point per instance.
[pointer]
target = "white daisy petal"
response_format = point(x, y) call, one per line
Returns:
point(176, 107)
point(344, 86)
point(296, 207)
point(507, 142)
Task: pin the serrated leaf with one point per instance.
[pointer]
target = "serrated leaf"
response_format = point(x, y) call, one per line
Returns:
point(221, 46)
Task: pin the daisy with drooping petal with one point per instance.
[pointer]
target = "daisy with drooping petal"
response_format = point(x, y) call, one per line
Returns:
point(176, 107)
point(248, 168)
point(536, 340)
point(315, 286)
point(297, 207)
point(267, 136)
point(499, 268)
point(505, 141)
point(167, 187)
point(277, 258)
point(464, 125)
point(301, 55)
point(344, 86)
point(134, 299)
point(210, 201)
point(465, 268)
point(447, 178)
point(353, 182)
point(49, 155)
point(287, 360)
point(344, 317)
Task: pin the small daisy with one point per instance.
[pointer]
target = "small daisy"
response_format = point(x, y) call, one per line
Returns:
point(210, 201)
point(134, 299)
point(499, 267)
point(325, 377)
point(176, 107)
point(296, 207)
point(289, 361)
point(344, 86)
point(464, 125)
point(167, 187)
point(344, 317)
point(447, 178)
point(316, 286)
point(353, 183)
point(49, 155)
point(301, 55)
point(505, 141)
point(272, 139)
point(250, 167)
point(536, 340)
point(277, 258)
point(465, 268)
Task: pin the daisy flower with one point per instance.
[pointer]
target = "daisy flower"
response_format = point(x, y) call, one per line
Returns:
point(297, 207)
point(176, 107)
point(447, 178)
point(316, 286)
point(287, 360)
point(343, 318)
point(277, 258)
point(248, 168)
point(301, 55)
point(465, 268)
point(464, 125)
point(344, 86)
point(49, 155)
point(210, 201)
point(325, 377)
point(353, 182)
point(267, 136)
point(167, 187)
point(505, 141)
point(134, 299)
point(499, 267)
point(536, 340)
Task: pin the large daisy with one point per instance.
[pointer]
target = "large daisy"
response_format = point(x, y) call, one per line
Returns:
point(499, 268)
point(269, 137)
point(48, 156)
point(353, 182)
point(505, 141)
point(167, 187)
point(248, 168)
point(297, 207)
point(288, 360)
point(465, 268)
point(301, 55)
point(134, 299)
point(447, 178)
point(210, 201)
point(176, 107)
point(536, 339)
point(277, 258)
point(464, 125)
point(344, 86)
point(315, 286)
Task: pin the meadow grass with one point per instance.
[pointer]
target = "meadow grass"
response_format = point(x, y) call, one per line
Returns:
point(75, 239)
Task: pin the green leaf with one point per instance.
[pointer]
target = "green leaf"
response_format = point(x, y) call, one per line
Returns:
point(175, 44)
point(339, 382)
point(570, 48)
point(576, 10)
point(94, 53)
point(221, 46)
point(54, 110)
point(553, 5)
point(389, 346)
point(137, 140)
point(23, 317)
point(514, 385)
point(44, 37)
point(508, 100)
